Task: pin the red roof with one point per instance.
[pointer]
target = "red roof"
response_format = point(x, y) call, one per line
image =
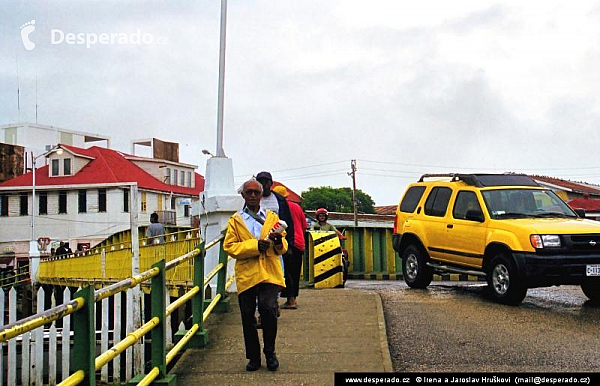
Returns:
point(106, 167)
point(574, 186)
point(387, 209)
point(588, 204)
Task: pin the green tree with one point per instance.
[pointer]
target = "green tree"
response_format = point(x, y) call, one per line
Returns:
point(336, 200)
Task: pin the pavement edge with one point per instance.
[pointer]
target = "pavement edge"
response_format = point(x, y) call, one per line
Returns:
point(385, 351)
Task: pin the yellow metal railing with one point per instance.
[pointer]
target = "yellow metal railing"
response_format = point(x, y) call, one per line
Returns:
point(113, 262)
point(82, 306)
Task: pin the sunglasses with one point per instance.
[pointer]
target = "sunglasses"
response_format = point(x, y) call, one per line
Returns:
point(251, 192)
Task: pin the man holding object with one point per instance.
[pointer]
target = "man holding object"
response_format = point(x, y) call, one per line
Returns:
point(258, 272)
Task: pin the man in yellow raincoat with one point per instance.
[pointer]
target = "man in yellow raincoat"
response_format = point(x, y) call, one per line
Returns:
point(258, 272)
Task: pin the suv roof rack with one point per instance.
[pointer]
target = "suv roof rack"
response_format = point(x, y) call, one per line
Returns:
point(483, 180)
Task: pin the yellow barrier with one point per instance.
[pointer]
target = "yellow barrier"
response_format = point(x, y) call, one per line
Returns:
point(110, 263)
point(326, 257)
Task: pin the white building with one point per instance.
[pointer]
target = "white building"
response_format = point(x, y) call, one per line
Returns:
point(82, 197)
point(40, 138)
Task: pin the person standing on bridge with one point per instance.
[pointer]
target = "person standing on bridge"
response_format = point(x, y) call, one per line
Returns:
point(278, 204)
point(293, 261)
point(321, 224)
point(156, 231)
point(258, 272)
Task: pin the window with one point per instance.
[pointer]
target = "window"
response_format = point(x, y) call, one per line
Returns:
point(126, 200)
point(182, 178)
point(3, 205)
point(437, 202)
point(143, 204)
point(67, 166)
point(55, 170)
point(167, 176)
point(174, 176)
point(23, 209)
point(173, 203)
point(186, 210)
point(10, 135)
point(101, 200)
point(82, 201)
point(465, 201)
point(62, 202)
point(43, 203)
point(411, 199)
point(189, 179)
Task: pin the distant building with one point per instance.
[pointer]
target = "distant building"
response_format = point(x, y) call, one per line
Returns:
point(11, 161)
point(82, 197)
point(568, 190)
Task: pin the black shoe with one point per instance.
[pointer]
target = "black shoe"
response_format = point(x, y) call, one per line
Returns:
point(272, 362)
point(253, 365)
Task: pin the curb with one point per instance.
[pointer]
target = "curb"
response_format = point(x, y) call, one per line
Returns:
point(385, 350)
point(398, 276)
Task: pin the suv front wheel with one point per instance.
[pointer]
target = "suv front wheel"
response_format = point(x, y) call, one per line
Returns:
point(591, 289)
point(503, 282)
point(414, 267)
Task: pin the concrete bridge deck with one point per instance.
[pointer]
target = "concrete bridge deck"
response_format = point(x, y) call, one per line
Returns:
point(333, 330)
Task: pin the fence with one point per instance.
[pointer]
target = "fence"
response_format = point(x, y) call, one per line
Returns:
point(109, 263)
point(77, 319)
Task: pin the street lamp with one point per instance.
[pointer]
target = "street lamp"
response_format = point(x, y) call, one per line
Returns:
point(33, 249)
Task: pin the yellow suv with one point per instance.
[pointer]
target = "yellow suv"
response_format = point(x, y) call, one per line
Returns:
point(504, 227)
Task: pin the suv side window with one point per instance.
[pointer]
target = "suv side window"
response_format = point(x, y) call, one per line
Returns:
point(411, 199)
point(437, 202)
point(465, 201)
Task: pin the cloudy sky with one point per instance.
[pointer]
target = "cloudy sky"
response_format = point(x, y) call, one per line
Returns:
point(405, 88)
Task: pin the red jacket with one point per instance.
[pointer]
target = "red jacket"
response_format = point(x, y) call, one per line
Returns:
point(299, 225)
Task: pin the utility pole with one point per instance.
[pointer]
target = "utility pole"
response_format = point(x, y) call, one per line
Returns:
point(354, 203)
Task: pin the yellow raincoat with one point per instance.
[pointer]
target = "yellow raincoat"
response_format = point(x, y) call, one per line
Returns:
point(251, 267)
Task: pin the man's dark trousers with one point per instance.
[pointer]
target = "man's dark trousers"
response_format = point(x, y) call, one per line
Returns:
point(293, 265)
point(267, 308)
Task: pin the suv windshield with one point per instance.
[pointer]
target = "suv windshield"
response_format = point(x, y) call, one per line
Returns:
point(520, 203)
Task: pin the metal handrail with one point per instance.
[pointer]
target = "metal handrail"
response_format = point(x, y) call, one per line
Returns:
point(134, 336)
point(48, 316)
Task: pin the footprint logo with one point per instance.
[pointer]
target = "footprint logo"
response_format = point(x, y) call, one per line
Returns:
point(26, 29)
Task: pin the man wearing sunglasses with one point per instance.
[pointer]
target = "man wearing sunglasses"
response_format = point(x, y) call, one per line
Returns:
point(258, 272)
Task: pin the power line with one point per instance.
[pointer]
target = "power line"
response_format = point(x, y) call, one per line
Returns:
point(301, 167)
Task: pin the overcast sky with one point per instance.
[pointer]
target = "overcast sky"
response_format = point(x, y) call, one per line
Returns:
point(405, 88)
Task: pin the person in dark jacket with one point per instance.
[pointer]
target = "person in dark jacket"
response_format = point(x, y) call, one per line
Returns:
point(278, 204)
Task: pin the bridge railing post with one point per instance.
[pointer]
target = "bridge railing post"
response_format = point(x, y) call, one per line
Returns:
point(84, 345)
point(158, 306)
point(224, 304)
point(200, 339)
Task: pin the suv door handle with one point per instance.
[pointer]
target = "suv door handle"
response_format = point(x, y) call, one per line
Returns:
point(449, 226)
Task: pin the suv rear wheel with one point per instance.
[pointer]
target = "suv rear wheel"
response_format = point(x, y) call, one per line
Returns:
point(414, 267)
point(502, 281)
point(591, 289)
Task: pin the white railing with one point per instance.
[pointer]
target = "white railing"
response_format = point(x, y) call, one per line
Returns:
point(34, 357)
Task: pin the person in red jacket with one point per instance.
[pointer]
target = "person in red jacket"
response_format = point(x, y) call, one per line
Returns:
point(293, 261)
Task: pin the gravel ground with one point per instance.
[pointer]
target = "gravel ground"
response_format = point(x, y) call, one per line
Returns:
point(455, 327)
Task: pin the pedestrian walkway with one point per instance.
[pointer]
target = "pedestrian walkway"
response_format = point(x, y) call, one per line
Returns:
point(333, 330)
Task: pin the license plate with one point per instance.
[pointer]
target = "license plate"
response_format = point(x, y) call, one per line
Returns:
point(592, 270)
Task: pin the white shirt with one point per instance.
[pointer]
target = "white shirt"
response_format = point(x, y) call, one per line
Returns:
point(270, 202)
point(254, 226)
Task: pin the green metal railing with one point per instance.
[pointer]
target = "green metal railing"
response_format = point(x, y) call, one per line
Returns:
point(84, 364)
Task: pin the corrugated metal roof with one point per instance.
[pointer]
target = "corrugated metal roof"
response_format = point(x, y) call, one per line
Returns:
point(106, 167)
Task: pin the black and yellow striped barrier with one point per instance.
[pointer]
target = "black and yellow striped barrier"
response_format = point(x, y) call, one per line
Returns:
point(326, 257)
